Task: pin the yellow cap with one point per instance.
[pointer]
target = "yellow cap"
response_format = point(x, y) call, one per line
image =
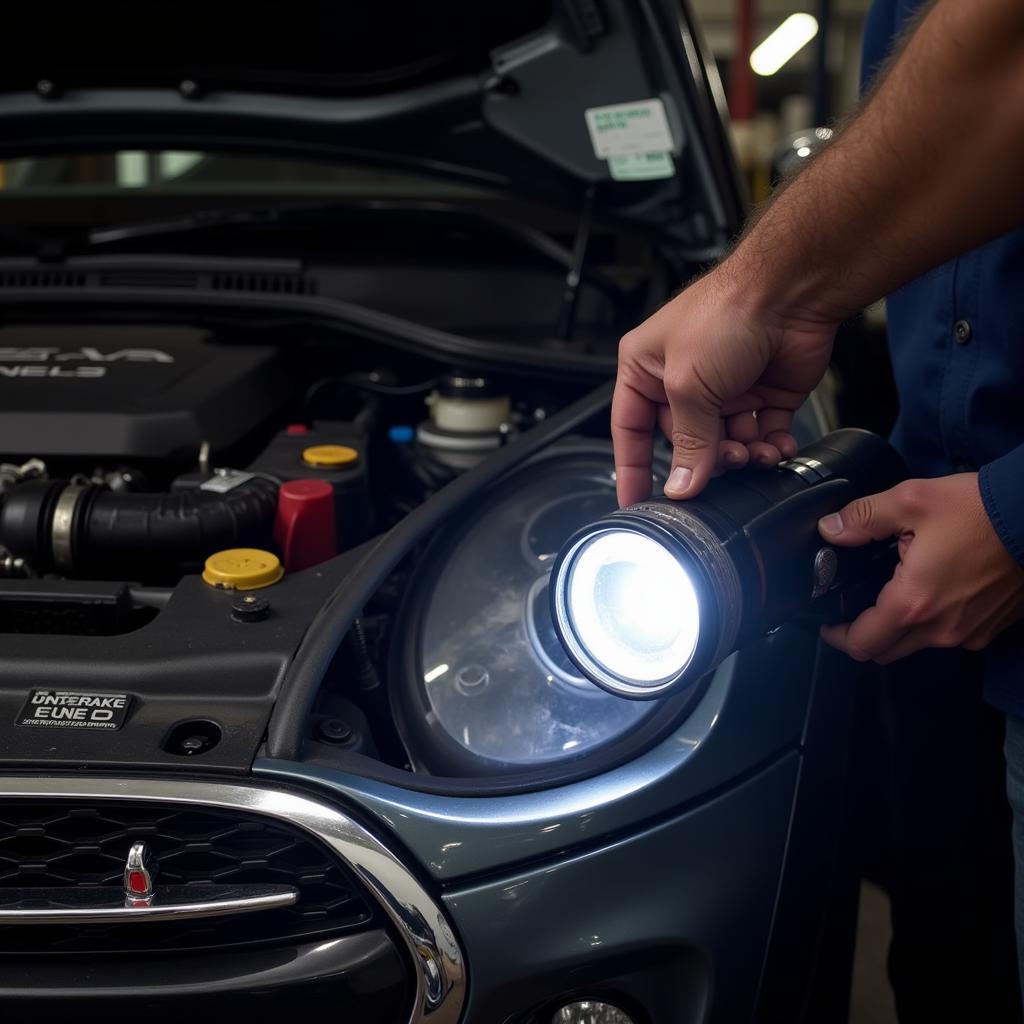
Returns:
point(242, 569)
point(330, 456)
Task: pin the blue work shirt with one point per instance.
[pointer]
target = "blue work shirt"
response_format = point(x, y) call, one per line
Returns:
point(956, 336)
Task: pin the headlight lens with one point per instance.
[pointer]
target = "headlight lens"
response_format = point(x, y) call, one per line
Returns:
point(632, 608)
point(587, 1011)
point(484, 686)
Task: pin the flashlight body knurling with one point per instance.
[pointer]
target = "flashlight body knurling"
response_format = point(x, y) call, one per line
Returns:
point(767, 523)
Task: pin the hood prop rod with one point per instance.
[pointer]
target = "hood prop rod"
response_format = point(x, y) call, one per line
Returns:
point(574, 276)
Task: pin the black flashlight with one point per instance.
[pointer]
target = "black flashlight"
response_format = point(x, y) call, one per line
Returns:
point(649, 598)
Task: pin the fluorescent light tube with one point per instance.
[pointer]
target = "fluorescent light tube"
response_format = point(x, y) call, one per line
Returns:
point(786, 41)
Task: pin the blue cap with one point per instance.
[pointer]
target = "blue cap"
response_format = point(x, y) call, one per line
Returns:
point(401, 434)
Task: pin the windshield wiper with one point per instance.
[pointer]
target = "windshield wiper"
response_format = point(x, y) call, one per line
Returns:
point(198, 221)
point(527, 237)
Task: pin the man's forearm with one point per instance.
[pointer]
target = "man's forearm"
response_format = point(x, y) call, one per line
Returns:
point(929, 168)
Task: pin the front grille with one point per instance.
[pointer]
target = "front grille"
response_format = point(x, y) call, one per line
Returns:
point(49, 843)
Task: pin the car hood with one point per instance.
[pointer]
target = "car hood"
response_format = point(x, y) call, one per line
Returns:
point(547, 98)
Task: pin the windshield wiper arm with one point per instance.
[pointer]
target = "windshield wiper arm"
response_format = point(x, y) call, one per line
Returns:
point(198, 221)
point(531, 238)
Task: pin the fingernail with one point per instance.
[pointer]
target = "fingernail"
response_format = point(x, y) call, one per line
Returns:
point(832, 524)
point(679, 479)
point(732, 458)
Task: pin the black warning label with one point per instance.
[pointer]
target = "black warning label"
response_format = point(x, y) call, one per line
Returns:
point(74, 709)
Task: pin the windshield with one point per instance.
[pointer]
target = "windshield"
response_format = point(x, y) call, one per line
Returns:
point(190, 172)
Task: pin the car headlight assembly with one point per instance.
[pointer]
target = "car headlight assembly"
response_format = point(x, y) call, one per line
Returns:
point(480, 684)
point(649, 598)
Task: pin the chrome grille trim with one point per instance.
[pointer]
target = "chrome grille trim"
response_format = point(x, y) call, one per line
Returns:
point(426, 933)
point(175, 903)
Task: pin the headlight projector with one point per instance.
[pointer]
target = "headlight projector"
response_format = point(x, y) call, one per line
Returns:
point(651, 597)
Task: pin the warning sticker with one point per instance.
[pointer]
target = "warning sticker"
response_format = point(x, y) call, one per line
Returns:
point(73, 709)
point(639, 127)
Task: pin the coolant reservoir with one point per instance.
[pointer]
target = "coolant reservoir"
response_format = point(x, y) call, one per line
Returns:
point(469, 418)
point(469, 405)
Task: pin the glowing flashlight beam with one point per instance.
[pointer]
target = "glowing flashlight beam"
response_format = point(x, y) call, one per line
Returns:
point(784, 43)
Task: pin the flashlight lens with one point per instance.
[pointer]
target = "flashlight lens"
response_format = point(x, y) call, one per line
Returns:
point(632, 607)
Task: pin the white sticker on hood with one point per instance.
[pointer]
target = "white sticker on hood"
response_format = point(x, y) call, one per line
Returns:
point(641, 166)
point(639, 127)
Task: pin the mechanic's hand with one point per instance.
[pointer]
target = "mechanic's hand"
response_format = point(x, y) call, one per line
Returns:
point(956, 584)
point(722, 375)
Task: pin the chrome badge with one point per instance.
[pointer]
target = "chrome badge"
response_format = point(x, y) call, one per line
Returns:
point(139, 872)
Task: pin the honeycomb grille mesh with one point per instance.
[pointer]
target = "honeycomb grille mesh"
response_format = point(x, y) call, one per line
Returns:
point(54, 844)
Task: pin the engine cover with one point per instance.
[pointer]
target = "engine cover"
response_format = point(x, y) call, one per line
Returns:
point(130, 391)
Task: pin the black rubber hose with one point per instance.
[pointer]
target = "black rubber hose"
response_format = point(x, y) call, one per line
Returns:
point(173, 529)
point(112, 532)
point(326, 632)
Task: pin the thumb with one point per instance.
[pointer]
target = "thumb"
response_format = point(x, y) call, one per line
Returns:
point(696, 429)
point(873, 517)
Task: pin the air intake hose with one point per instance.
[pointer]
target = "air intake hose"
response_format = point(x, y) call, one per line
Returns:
point(58, 526)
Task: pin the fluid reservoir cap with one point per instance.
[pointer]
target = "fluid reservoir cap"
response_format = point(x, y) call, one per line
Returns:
point(330, 456)
point(242, 569)
point(305, 530)
point(401, 434)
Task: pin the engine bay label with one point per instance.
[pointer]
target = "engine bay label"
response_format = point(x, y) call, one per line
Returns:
point(640, 127)
point(74, 709)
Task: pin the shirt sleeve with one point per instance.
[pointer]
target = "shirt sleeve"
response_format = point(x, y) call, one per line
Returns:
point(1002, 491)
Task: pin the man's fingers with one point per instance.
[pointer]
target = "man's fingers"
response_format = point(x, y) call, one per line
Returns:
point(839, 637)
point(765, 434)
point(873, 633)
point(774, 426)
point(732, 455)
point(633, 417)
point(916, 640)
point(696, 428)
point(910, 642)
point(785, 443)
point(773, 420)
point(742, 427)
point(874, 517)
point(764, 455)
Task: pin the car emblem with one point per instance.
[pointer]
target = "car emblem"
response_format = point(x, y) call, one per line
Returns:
point(139, 871)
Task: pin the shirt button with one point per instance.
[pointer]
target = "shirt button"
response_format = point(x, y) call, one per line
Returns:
point(962, 331)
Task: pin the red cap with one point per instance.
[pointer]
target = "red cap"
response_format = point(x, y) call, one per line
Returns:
point(296, 428)
point(304, 528)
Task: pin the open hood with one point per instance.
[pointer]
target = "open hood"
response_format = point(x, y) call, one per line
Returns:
point(547, 98)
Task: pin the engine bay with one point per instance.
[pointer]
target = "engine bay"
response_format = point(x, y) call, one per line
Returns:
point(178, 505)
